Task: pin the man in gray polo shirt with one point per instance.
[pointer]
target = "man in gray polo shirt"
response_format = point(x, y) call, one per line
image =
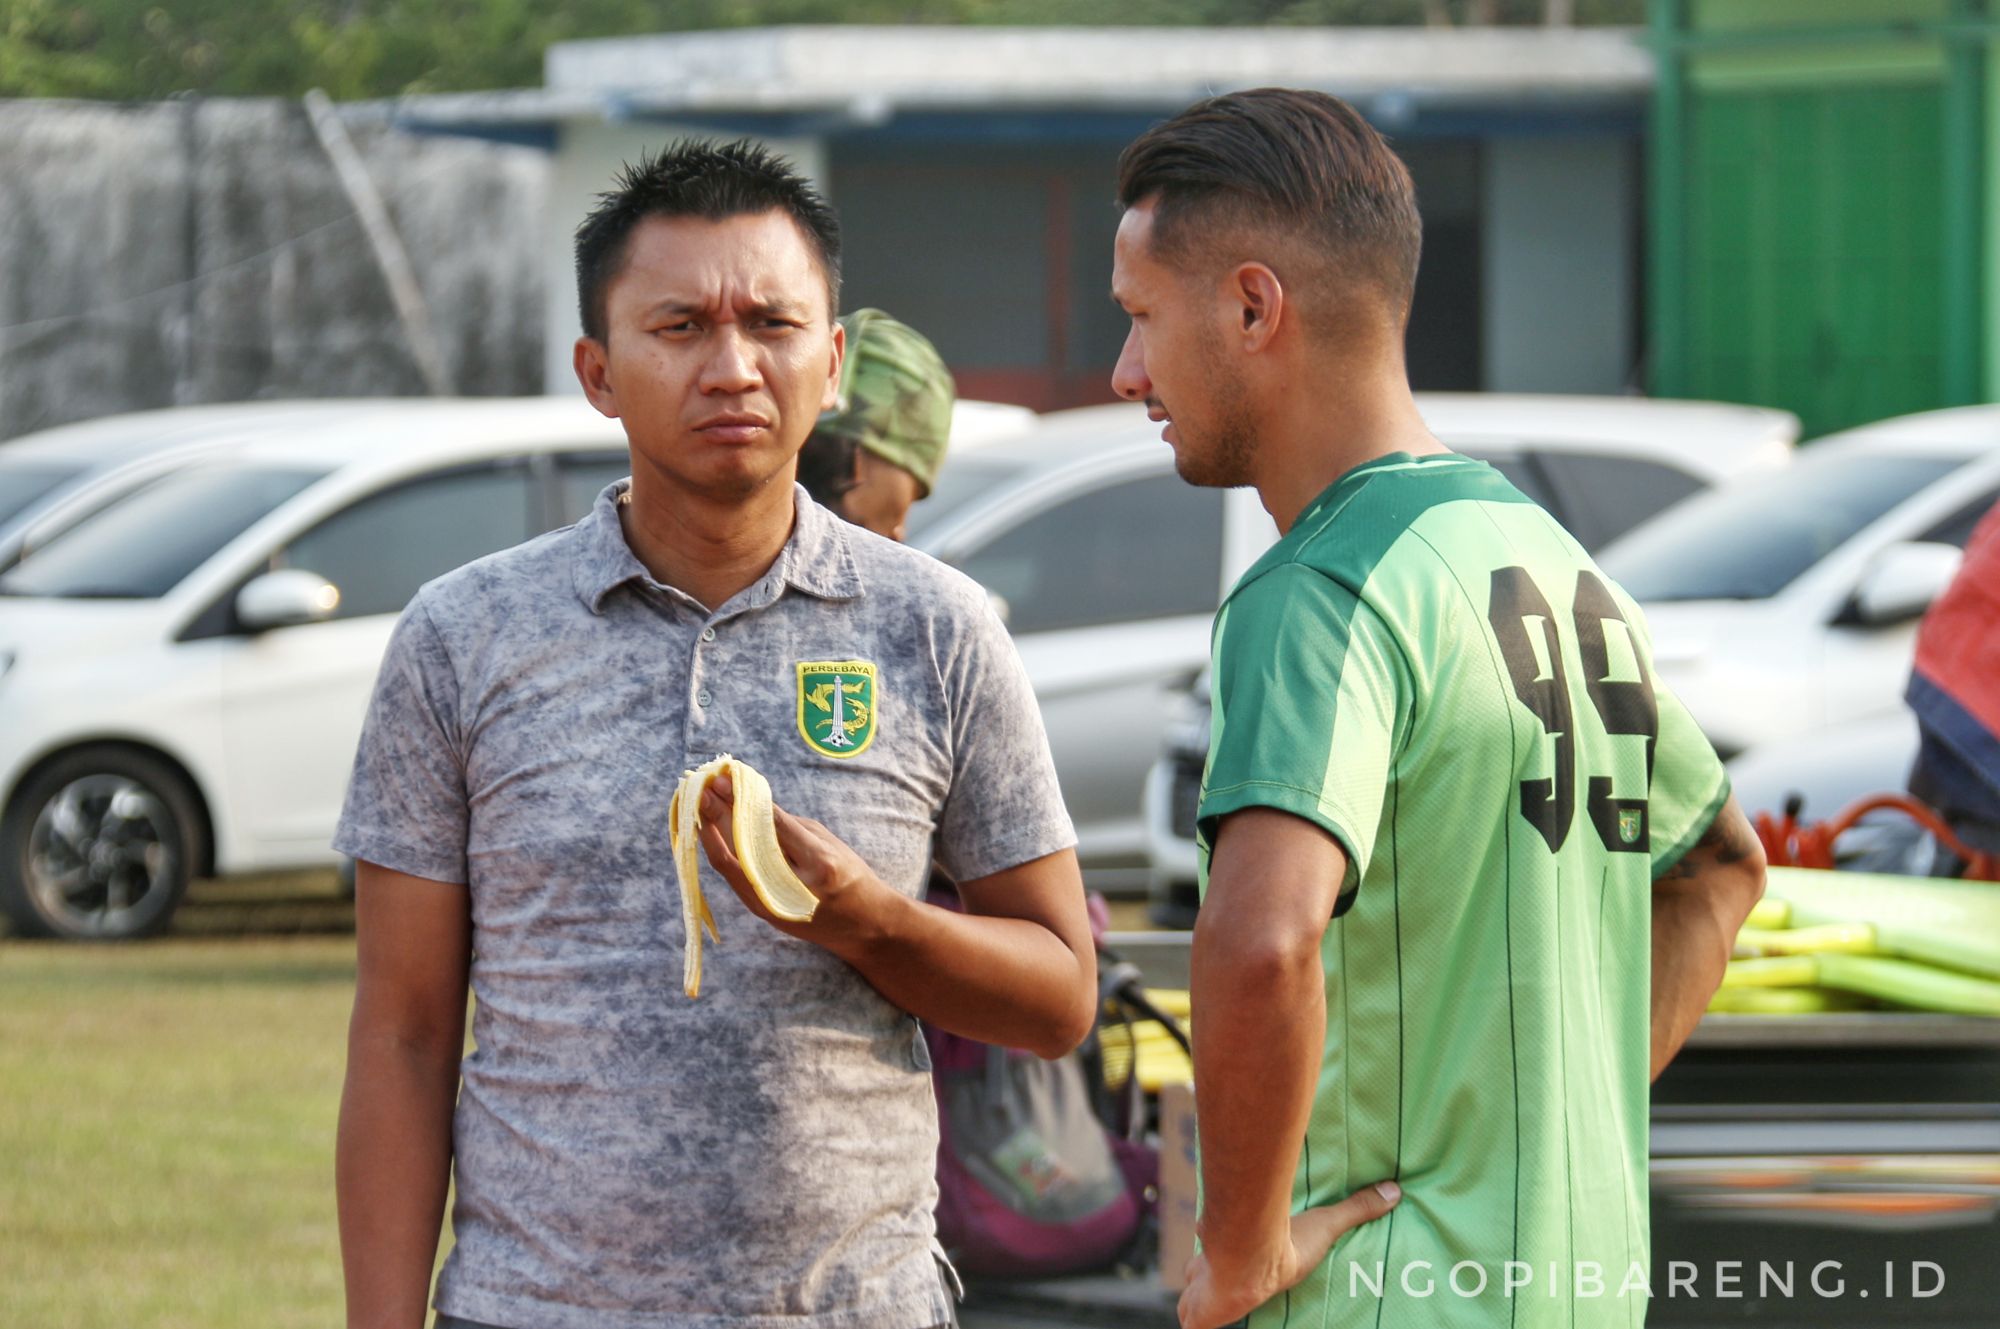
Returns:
point(627, 1158)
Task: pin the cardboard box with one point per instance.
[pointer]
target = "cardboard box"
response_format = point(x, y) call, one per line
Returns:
point(1180, 1180)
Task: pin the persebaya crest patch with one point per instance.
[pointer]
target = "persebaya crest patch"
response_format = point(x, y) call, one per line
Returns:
point(837, 706)
point(1631, 822)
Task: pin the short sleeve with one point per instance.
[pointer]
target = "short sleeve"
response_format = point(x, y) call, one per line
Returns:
point(1004, 807)
point(406, 804)
point(1689, 784)
point(1311, 699)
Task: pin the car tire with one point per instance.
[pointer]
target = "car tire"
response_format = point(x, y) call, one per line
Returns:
point(99, 845)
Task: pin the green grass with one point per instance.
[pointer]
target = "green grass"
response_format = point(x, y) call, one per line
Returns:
point(166, 1145)
point(167, 1111)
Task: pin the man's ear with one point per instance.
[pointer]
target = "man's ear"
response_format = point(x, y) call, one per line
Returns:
point(593, 370)
point(831, 397)
point(1259, 299)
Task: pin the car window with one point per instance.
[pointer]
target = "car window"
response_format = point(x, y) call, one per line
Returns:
point(580, 480)
point(379, 550)
point(959, 481)
point(1753, 537)
point(1605, 495)
point(26, 482)
point(1138, 549)
point(1957, 528)
point(142, 544)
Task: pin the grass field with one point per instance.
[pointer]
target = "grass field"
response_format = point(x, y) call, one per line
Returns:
point(167, 1112)
point(166, 1118)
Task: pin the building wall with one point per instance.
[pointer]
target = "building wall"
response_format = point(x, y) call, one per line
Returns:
point(200, 251)
point(999, 250)
point(1002, 255)
point(1559, 267)
point(1824, 201)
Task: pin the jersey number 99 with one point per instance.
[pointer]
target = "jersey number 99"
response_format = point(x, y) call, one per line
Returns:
point(1517, 609)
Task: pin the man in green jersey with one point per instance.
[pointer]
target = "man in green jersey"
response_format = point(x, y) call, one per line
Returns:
point(1471, 872)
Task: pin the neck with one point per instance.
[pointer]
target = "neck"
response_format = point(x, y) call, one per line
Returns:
point(710, 548)
point(1314, 437)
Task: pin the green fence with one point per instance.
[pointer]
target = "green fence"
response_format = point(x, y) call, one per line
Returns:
point(1822, 196)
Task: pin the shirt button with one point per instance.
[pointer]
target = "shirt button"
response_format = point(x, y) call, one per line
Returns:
point(701, 698)
point(708, 634)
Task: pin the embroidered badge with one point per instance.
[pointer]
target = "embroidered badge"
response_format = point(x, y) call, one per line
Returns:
point(1631, 822)
point(837, 706)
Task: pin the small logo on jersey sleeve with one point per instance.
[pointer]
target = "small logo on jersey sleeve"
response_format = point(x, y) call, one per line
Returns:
point(837, 700)
point(1631, 824)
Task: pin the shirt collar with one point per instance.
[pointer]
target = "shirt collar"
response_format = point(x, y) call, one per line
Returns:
point(817, 558)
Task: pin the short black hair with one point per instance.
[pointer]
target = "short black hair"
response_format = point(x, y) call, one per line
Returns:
point(696, 178)
point(827, 467)
point(1280, 158)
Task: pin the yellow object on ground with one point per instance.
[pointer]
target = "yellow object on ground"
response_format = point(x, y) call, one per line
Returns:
point(1784, 971)
point(1161, 1061)
point(1847, 938)
point(1909, 984)
point(1781, 1001)
point(1934, 920)
point(1768, 913)
point(754, 835)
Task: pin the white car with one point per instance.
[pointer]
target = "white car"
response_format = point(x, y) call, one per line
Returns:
point(185, 665)
point(49, 477)
point(1109, 567)
point(177, 696)
point(1786, 604)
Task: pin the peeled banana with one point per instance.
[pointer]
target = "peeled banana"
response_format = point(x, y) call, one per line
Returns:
point(754, 834)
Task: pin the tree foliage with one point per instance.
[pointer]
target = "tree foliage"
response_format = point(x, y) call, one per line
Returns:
point(135, 49)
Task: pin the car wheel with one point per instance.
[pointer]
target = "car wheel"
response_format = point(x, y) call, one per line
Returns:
point(98, 845)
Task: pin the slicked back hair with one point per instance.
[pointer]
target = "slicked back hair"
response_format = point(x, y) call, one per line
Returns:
point(692, 178)
point(1304, 166)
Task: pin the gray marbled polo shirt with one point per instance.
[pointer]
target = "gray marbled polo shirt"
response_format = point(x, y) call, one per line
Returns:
point(626, 1157)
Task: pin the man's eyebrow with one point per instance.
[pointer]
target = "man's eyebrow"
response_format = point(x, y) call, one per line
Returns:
point(755, 309)
point(789, 308)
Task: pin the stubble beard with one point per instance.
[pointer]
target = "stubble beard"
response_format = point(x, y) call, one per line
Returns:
point(1215, 453)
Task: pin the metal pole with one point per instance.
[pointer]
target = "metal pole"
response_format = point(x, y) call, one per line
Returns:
point(390, 255)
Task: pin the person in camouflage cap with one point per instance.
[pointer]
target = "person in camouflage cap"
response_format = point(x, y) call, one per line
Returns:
point(876, 453)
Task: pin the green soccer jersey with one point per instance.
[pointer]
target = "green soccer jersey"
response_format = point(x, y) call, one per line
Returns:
point(1434, 671)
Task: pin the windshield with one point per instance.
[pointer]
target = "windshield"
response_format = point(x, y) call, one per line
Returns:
point(25, 482)
point(1751, 539)
point(143, 544)
point(958, 482)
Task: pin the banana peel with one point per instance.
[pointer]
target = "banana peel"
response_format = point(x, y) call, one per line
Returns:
point(753, 833)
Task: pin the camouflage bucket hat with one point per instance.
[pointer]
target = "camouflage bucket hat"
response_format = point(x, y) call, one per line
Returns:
point(895, 395)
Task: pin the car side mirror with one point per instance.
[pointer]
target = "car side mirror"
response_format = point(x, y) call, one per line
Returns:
point(286, 599)
point(1903, 581)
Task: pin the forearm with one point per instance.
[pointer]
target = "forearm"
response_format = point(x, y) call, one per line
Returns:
point(1256, 1066)
point(1698, 906)
point(1691, 947)
point(392, 1170)
point(1009, 981)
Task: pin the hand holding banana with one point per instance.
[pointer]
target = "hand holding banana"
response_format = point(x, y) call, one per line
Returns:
point(792, 872)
